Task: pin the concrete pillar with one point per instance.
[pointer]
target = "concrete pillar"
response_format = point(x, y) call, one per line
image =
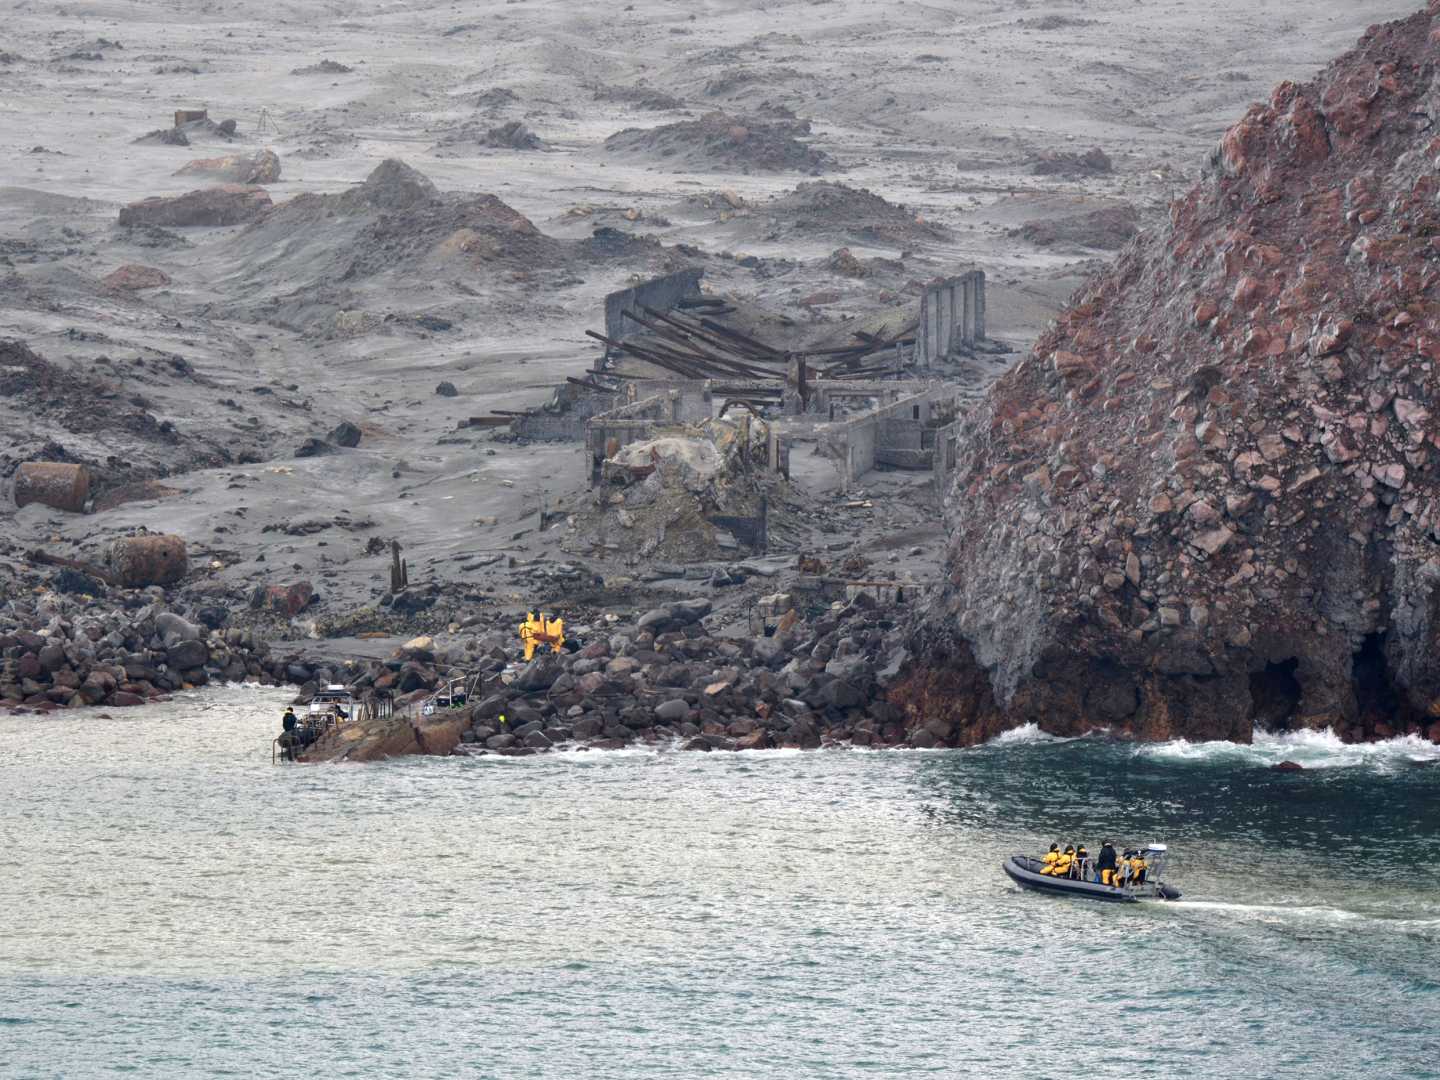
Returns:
point(979, 305)
point(923, 338)
point(962, 303)
point(955, 316)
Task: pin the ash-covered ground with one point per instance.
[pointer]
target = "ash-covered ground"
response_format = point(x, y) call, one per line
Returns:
point(558, 154)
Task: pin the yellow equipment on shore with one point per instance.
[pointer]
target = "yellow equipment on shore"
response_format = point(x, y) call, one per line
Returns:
point(537, 630)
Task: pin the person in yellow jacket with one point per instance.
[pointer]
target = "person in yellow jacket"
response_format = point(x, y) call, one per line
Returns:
point(1047, 864)
point(1064, 862)
point(1138, 866)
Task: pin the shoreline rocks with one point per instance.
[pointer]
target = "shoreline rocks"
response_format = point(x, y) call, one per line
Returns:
point(846, 677)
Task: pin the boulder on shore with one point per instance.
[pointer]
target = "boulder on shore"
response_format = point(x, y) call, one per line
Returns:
point(261, 167)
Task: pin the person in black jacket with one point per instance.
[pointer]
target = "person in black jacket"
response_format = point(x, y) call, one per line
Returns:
point(1106, 863)
point(288, 736)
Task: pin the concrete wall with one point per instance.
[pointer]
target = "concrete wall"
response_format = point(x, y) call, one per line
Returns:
point(696, 399)
point(899, 434)
point(947, 448)
point(661, 293)
point(952, 314)
point(861, 438)
point(827, 392)
point(543, 425)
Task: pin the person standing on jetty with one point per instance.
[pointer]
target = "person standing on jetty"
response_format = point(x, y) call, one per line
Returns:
point(289, 722)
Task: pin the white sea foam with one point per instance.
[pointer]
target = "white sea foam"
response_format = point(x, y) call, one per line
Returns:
point(1313, 913)
point(1312, 749)
point(1271, 911)
point(1025, 735)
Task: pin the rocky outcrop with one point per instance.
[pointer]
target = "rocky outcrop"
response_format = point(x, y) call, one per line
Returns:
point(224, 204)
point(261, 167)
point(1210, 499)
point(371, 739)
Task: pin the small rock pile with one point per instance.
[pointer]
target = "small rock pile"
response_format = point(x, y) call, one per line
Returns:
point(822, 208)
point(725, 143)
point(511, 135)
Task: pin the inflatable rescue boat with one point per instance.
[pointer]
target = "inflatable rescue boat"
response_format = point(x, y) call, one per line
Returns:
point(1024, 870)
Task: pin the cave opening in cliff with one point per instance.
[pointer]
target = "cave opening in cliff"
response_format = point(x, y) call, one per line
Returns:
point(1376, 698)
point(1275, 696)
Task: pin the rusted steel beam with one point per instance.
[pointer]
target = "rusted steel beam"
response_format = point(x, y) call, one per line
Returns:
point(720, 328)
point(43, 558)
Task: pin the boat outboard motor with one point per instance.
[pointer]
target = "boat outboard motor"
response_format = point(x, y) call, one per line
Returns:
point(1155, 855)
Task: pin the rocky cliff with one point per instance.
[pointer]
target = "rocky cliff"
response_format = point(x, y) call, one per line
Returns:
point(1210, 498)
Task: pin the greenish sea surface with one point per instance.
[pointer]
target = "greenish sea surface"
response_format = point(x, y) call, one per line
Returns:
point(175, 906)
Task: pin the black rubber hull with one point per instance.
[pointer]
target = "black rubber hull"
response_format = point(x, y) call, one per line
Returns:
point(1023, 870)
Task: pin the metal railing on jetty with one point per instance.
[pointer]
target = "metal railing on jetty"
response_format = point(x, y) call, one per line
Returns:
point(453, 692)
point(375, 705)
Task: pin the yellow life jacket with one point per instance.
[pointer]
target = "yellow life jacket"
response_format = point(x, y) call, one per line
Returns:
point(1051, 858)
point(1137, 865)
point(1062, 865)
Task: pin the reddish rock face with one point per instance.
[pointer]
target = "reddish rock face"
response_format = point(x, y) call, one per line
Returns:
point(1242, 406)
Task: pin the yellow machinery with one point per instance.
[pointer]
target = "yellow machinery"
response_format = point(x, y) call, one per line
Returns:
point(537, 630)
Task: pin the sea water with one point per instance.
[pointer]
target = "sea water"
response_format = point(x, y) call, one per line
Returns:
point(174, 905)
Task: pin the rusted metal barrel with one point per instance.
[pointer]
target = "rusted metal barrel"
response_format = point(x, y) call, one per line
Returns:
point(54, 483)
point(138, 561)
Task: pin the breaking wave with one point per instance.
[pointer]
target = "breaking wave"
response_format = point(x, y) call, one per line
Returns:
point(1312, 749)
point(1025, 735)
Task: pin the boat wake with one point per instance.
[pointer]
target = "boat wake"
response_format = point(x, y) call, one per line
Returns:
point(1306, 913)
point(1312, 749)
